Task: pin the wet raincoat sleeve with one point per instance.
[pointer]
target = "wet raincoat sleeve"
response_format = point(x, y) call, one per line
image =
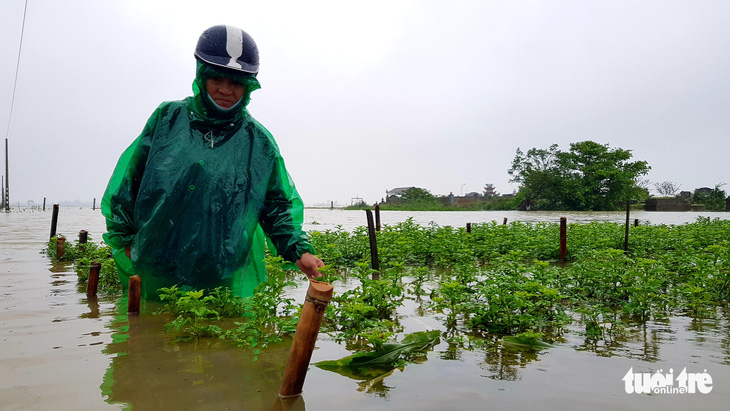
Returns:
point(283, 213)
point(119, 199)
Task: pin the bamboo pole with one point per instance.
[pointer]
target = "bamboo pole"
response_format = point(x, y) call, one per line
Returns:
point(377, 217)
point(60, 247)
point(54, 220)
point(374, 259)
point(318, 296)
point(93, 283)
point(134, 294)
point(626, 237)
point(563, 237)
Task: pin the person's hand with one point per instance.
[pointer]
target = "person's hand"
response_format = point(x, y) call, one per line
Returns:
point(309, 264)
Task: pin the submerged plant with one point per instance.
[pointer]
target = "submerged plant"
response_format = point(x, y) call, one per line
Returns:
point(267, 314)
point(192, 311)
point(82, 255)
point(380, 359)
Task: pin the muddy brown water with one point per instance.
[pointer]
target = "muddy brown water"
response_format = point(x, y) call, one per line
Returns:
point(60, 349)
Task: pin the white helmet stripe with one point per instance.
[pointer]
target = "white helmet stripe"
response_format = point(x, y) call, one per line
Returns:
point(234, 46)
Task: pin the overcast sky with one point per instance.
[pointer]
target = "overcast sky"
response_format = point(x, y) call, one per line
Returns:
point(368, 96)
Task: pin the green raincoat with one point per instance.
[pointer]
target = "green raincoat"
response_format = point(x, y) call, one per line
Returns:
point(192, 194)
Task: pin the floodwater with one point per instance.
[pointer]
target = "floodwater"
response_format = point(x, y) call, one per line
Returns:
point(63, 350)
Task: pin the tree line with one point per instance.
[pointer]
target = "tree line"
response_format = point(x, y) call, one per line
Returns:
point(587, 177)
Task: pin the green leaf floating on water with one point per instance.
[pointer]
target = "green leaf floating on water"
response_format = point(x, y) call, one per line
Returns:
point(528, 340)
point(370, 364)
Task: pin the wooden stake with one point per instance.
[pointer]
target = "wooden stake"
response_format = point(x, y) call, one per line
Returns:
point(636, 222)
point(83, 236)
point(626, 237)
point(60, 247)
point(134, 294)
point(468, 228)
point(563, 237)
point(377, 217)
point(505, 221)
point(93, 284)
point(54, 220)
point(319, 295)
point(374, 260)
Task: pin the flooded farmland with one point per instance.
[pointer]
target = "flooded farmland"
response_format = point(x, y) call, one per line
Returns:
point(64, 350)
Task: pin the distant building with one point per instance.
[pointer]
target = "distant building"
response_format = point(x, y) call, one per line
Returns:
point(703, 190)
point(393, 196)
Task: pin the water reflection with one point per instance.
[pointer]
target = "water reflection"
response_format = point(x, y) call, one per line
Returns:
point(148, 371)
point(504, 363)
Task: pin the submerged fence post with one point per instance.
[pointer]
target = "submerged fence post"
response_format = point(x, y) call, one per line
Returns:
point(636, 222)
point(468, 228)
point(54, 220)
point(377, 217)
point(505, 221)
point(626, 236)
point(134, 294)
point(60, 247)
point(563, 237)
point(93, 206)
point(374, 260)
point(93, 284)
point(44, 204)
point(83, 236)
point(318, 296)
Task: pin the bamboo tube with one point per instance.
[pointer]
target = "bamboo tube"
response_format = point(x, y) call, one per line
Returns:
point(626, 237)
point(54, 220)
point(374, 259)
point(563, 237)
point(134, 294)
point(60, 247)
point(377, 217)
point(319, 295)
point(93, 284)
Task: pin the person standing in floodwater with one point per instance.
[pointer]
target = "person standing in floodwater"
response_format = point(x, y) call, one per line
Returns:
point(194, 199)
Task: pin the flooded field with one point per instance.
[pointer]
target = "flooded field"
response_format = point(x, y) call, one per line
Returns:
point(64, 350)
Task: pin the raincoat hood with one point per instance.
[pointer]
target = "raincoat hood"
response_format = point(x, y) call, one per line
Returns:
point(203, 106)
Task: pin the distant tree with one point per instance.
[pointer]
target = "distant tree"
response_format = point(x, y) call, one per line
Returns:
point(590, 176)
point(667, 188)
point(416, 194)
point(714, 200)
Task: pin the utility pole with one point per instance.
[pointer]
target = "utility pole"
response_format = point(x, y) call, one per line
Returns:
point(6, 191)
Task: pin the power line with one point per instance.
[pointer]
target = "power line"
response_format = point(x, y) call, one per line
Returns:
point(17, 69)
point(6, 189)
